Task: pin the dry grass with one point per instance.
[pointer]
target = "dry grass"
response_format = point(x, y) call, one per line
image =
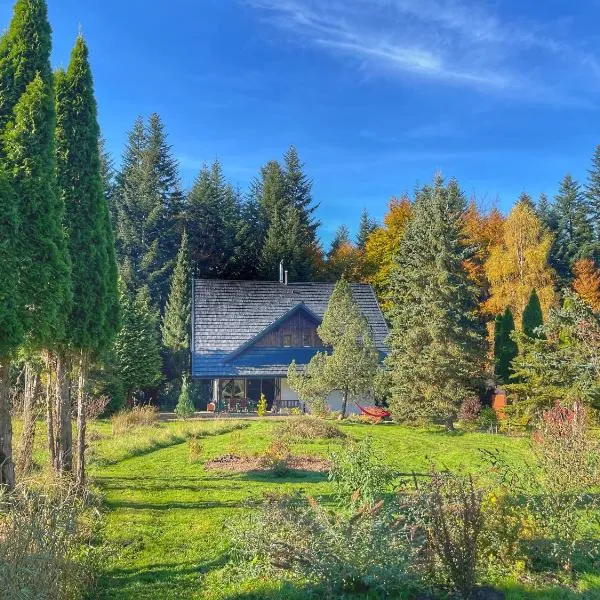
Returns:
point(311, 428)
point(138, 416)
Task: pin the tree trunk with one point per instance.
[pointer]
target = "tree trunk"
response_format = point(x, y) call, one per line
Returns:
point(7, 467)
point(25, 457)
point(449, 423)
point(344, 404)
point(50, 421)
point(64, 458)
point(81, 420)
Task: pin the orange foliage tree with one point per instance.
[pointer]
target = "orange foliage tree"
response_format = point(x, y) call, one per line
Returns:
point(519, 263)
point(587, 282)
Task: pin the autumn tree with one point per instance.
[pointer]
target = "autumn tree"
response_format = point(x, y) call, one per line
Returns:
point(343, 257)
point(587, 282)
point(519, 263)
point(381, 246)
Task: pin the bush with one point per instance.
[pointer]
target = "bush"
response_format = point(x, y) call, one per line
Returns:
point(469, 410)
point(364, 552)
point(185, 407)
point(487, 418)
point(276, 458)
point(310, 428)
point(359, 474)
point(196, 449)
point(44, 545)
point(138, 416)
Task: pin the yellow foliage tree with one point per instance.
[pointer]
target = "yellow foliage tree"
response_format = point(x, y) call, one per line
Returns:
point(587, 282)
point(344, 262)
point(381, 246)
point(519, 263)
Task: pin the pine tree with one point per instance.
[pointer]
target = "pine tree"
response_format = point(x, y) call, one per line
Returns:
point(148, 208)
point(519, 263)
point(505, 348)
point(92, 323)
point(176, 320)
point(592, 192)
point(587, 282)
point(574, 233)
point(437, 344)
point(213, 215)
point(365, 228)
point(185, 407)
point(136, 347)
point(24, 54)
point(352, 364)
point(532, 316)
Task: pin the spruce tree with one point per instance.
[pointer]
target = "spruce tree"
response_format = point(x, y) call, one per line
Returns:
point(250, 238)
point(574, 234)
point(24, 53)
point(366, 227)
point(532, 316)
point(592, 192)
point(185, 407)
point(176, 320)
point(213, 215)
point(136, 347)
point(545, 213)
point(92, 323)
point(505, 348)
point(437, 344)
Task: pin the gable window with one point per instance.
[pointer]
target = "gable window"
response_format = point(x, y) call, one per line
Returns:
point(287, 340)
point(306, 339)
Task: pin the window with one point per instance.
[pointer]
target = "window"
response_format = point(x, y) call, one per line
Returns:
point(287, 340)
point(306, 339)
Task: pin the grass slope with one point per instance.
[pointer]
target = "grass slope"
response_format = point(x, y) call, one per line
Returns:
point(166, 518)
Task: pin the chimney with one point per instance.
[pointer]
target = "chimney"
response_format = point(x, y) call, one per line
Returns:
point(285, 278)
point(281, 271)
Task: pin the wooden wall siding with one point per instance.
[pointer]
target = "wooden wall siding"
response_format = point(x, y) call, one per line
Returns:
point(296, 326)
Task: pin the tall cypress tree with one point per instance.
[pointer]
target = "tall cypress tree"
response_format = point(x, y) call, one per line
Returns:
point(176, 321)
point(92, 322)
point(11, 330)
point(24, 53)
point(574, 234)
point(532, 316)
point(505, 348)
point(437, 343)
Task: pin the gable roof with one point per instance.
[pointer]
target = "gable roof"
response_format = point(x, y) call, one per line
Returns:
point(229, 316)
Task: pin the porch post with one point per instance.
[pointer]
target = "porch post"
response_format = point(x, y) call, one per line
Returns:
point(215, 395)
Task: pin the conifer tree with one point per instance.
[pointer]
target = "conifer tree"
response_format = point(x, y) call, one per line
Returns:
point(587, 282)
point(592, 192)
point(437, 344)
point(545, 213)
point(213, 214)
point(250, 238)
point(342, 258)
point(11, 330)
point(505, 348)
point(532, 316)
point(366, 227)
point(24, 53)
point(271, 189)
point(176, 320)
point(185, 407)
point(574, 234)
point(136, 347)
point(92, 323)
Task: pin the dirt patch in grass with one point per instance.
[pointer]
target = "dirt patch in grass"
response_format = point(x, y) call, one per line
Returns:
point(245, 464)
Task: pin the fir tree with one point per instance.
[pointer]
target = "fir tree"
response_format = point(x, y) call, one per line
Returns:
point(136, 347)
point(574, 233)
point(185, 407)
point(592, 192)
point(366, 227)
point(545, 213)
point(532, 316)
point(271, 189)
point(176, 320)
point(436, 343)
point(24, 54)
point(505, 348)
point(250, 239)
point(213, 215)
point(92, 323)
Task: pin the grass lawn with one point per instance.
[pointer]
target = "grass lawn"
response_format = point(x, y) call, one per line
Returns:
point(167, 518)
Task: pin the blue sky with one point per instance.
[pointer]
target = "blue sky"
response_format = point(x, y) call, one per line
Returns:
point(376, 94)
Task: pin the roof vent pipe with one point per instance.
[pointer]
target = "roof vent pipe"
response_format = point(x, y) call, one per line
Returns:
point(285, 278)
point(281, 271)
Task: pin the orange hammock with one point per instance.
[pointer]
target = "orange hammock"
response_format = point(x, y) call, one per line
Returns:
point(374, 411)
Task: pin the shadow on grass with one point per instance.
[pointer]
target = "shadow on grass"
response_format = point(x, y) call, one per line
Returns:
point(127, 504)
point(291, 476)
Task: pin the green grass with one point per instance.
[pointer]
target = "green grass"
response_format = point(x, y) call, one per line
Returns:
point(166, 519)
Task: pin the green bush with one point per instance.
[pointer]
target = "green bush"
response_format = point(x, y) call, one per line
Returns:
point(185, 407)
point(308, 428)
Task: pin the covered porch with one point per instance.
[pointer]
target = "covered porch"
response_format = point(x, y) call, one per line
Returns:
point(242, 394)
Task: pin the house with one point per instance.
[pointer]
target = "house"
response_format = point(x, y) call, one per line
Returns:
point(245, 334)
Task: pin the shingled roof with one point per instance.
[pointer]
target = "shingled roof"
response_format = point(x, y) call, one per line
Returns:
point(228, 314)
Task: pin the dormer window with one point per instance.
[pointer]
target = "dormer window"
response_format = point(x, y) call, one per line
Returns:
point(287, 340)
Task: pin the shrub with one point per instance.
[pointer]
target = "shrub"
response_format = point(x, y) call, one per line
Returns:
point(44, 545)
point(308, 428)
point(261, 407)
point(366, 551)
point(185, 407)
point(234, 447)
point(138, 416)
point(196, 449)
point(359, 474)
point(469, 410)
point(276, 458)
point(96, 407)
point(487, 418)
